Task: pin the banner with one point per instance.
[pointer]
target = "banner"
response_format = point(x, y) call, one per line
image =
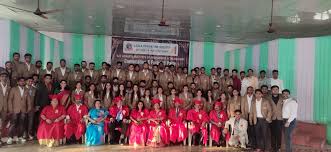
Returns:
point(165, 49)
point(138, 51)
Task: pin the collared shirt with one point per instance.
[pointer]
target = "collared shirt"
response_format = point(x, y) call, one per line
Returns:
point(258, 108)
point(63, 70)
point(276, 82)
point(103, 72)
point(49, 72)
point(118, 72)
point(4, 88)
point(91, 73)
point(290, 109)
point(29, 65)
point(78, 91)
point(275, 99)
point(21, 90)
point(130, 74)
point(249, 100)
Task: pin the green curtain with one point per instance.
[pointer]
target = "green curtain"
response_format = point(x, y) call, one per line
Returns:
point(77, 48)
point(42, 48)
point(30, 43)
point(237, 59)
point(52, 49)
point(264, 50)
point(248, 58)
point(227, 59)
point(61, 50)
point(14, 38)
point(287, 63)
point(99, 50)
point(208, 55)
point(322, 82)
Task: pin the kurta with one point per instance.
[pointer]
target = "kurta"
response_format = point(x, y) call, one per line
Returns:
point(197, 118)
point(138, 131)
point(158, 133)
point(50, 134)
point(178, 129)
point(76, 125)
point(217, 117)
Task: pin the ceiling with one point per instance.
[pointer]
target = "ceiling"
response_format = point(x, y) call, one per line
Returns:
point(226, 21)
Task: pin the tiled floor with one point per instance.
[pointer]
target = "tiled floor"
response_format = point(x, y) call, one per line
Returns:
point(32, 147)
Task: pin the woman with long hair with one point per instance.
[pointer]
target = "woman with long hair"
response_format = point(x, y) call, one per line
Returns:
point(63, 94)
point(107, 95)
point(91, 95)
point(147, 99)
point(134, 97)
point(138, 127)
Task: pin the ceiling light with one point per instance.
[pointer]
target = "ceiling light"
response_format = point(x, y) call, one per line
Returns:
point(294, 19)
point(119, 6)
point(218, 26)
point(90, 17)
point(97, 26)
point(321, 16)
point(199, 12)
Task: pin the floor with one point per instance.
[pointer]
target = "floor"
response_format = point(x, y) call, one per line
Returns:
point(33, 147)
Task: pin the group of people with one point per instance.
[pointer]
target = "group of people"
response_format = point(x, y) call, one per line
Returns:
point(155, 105)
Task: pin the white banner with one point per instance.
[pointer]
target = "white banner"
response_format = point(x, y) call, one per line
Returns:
point(150, 48)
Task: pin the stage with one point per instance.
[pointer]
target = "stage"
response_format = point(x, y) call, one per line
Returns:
point(33, 147)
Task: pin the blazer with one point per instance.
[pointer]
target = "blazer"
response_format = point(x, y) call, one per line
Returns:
point(105, 72)
point(244, 106)
point(95, 75)
point(16, 102)
point(42, 94)
point(31, 98)
point(44, 72)
point(204, 82)
point(234, 105)
point(72, 80)
point(179, 81)
point(25, 72)
point(277, 109)
point(214, 78)
point(121, 75)
point(166, 77)
point(148, 77)
point(4, 98)
point(163, 103)
point(59, 76)
point(134, 77)
point(266, 111)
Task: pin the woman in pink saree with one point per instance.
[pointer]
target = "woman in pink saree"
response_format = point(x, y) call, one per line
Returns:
point(177, 118)
point(138, 127)
point(158, 135)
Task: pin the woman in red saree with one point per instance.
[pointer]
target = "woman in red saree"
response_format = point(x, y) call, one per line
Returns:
point(63, 94)
point(138, 127)
point(218, 117)
point(51, 127)
point(177, 118)
point(158, 132)
point(75, 125)
point(198, 123)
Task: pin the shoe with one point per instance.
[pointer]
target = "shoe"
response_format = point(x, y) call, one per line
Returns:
point(30, 137)
point(23, 140)
point(10, 141)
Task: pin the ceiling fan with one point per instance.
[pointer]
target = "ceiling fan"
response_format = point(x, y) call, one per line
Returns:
point(271, 29)
point(37, 12)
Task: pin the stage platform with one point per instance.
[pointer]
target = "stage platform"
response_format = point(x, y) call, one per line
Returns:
point(33, 147)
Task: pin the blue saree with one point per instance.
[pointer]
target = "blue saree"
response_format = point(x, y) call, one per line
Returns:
point(94, 132)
